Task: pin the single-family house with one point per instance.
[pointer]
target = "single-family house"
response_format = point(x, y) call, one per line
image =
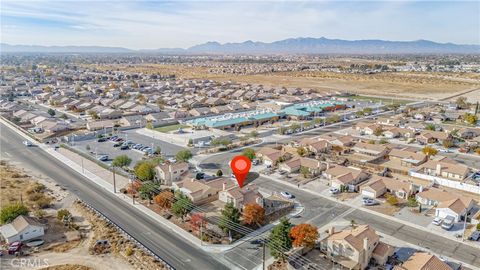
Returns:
point(241, 196)
point(378, 185)
point(341, 176)
point(423, 261)
point(447, 203)
point(22, 228)
point(406, 158)
point(443, 167)
point(170, 172)
point(201, 191)
point(354, 248)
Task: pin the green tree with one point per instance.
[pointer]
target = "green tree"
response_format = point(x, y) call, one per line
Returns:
point(64, 116)
point(94, 115)
point(182, 206)
point(249, 153)
point(470, 118)
point(121, 161)
point(430, 127)
point(359, 113)
point(333, 119)
point(448, 143)
point(158, 150)
point(295, 126)
point(304, 171)
point(149, 125)
point(51, 112)
point(279, 239)
point(301, 151)
point(412, 202)
point(148, 190)
point(62, 214)
point(230, 214)
point(11, 211)
point(183, 155)
point(219, 173)
point(383, 141)
point(378, 131)
point(144, 170)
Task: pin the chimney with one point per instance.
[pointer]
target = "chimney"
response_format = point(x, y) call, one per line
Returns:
point(331, 230)
point(192, 180)
point(224, 186)
point(438, 169)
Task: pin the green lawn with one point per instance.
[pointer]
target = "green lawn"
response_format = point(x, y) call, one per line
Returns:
point(383, 100)
point(167, 129)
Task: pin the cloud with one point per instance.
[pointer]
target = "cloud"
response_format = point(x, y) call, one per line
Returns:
point(154, 24)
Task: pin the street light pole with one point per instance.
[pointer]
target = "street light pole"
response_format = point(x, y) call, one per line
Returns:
point(114, 182)
point(263, 256)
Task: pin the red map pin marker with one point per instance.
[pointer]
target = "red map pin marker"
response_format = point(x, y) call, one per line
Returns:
point(240, 166)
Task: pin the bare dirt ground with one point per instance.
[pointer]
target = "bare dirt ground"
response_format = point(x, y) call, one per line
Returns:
point(398, 84)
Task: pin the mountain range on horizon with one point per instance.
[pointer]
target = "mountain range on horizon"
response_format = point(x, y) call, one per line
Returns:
point(287, 46)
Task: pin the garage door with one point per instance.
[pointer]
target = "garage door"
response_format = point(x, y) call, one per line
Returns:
point(368, 193)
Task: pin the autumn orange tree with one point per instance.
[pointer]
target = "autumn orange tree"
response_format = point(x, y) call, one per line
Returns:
point(197, 220)
point(133, 187)
point(164, 199)
point(304, 235)
point(253, 214)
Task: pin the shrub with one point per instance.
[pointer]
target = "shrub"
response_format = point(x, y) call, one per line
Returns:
point(129, 251)
point(11, 211)
point(62, 213)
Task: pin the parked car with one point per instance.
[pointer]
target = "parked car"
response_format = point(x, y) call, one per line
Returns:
point(369, 202)
point(334, 190)
point(27, 143)
point(257, 241)
point(255, 162)
point(103, 157)
point(437, 221)
point(117, 144)
point(15, 247)
point(113, 138)
point(102, 139)
point(287, 195)
point(448, 223)
point(124, 147)
point(475, 236)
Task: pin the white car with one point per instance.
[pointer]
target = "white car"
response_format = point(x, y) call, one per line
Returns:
point(437, 221)
point(103, 158)
point(369, 202)
point(27, 143)
point(287, 195)
point(334, 190)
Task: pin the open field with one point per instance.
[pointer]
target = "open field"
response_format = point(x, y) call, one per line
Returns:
point(393, 84)
point(167, 129)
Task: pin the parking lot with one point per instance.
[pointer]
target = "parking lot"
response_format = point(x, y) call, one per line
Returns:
point(97, 149)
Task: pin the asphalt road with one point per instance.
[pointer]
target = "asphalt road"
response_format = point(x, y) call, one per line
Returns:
point(162, 241)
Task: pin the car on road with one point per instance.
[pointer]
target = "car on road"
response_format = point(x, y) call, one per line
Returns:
point(334, 190)
point(27, 143)
point(437, 221)
point(369, 202)
point(475, 236)
point(103, 157)
point(287, 195)
point(258, 241)
point(448, 223)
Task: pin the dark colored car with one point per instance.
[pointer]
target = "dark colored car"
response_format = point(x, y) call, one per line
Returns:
point(124, 147)
point(102, 139)
point(14, 248)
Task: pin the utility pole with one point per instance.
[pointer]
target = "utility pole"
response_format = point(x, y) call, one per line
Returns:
point(114, 183)
point(201, 232)
point(83, 170)
point(263, 255)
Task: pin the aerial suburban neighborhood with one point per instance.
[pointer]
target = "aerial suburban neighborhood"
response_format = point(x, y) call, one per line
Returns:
point(296, 153)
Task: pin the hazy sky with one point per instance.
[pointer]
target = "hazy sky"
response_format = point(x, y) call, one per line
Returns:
point(159, 24)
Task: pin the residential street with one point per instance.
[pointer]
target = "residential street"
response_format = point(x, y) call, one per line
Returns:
point(166, 244)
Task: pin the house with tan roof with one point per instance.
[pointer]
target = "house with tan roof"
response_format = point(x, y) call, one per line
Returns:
point(341, 176)
point(447, 203)
point(170, 172)
point(378, 185)
point(370, 152)
point(406, 158)
point(354, 248)
point(241, 196)
point(429, 136)
point(269, 156)
point(423, 261)
point(443, 167)
point(200, 191)
point(293, 165)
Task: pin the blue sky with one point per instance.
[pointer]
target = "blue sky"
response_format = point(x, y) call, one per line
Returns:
point(162, 24)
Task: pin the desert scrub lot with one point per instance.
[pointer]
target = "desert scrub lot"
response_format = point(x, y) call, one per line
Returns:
point(166, 129)
point(16, 186)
